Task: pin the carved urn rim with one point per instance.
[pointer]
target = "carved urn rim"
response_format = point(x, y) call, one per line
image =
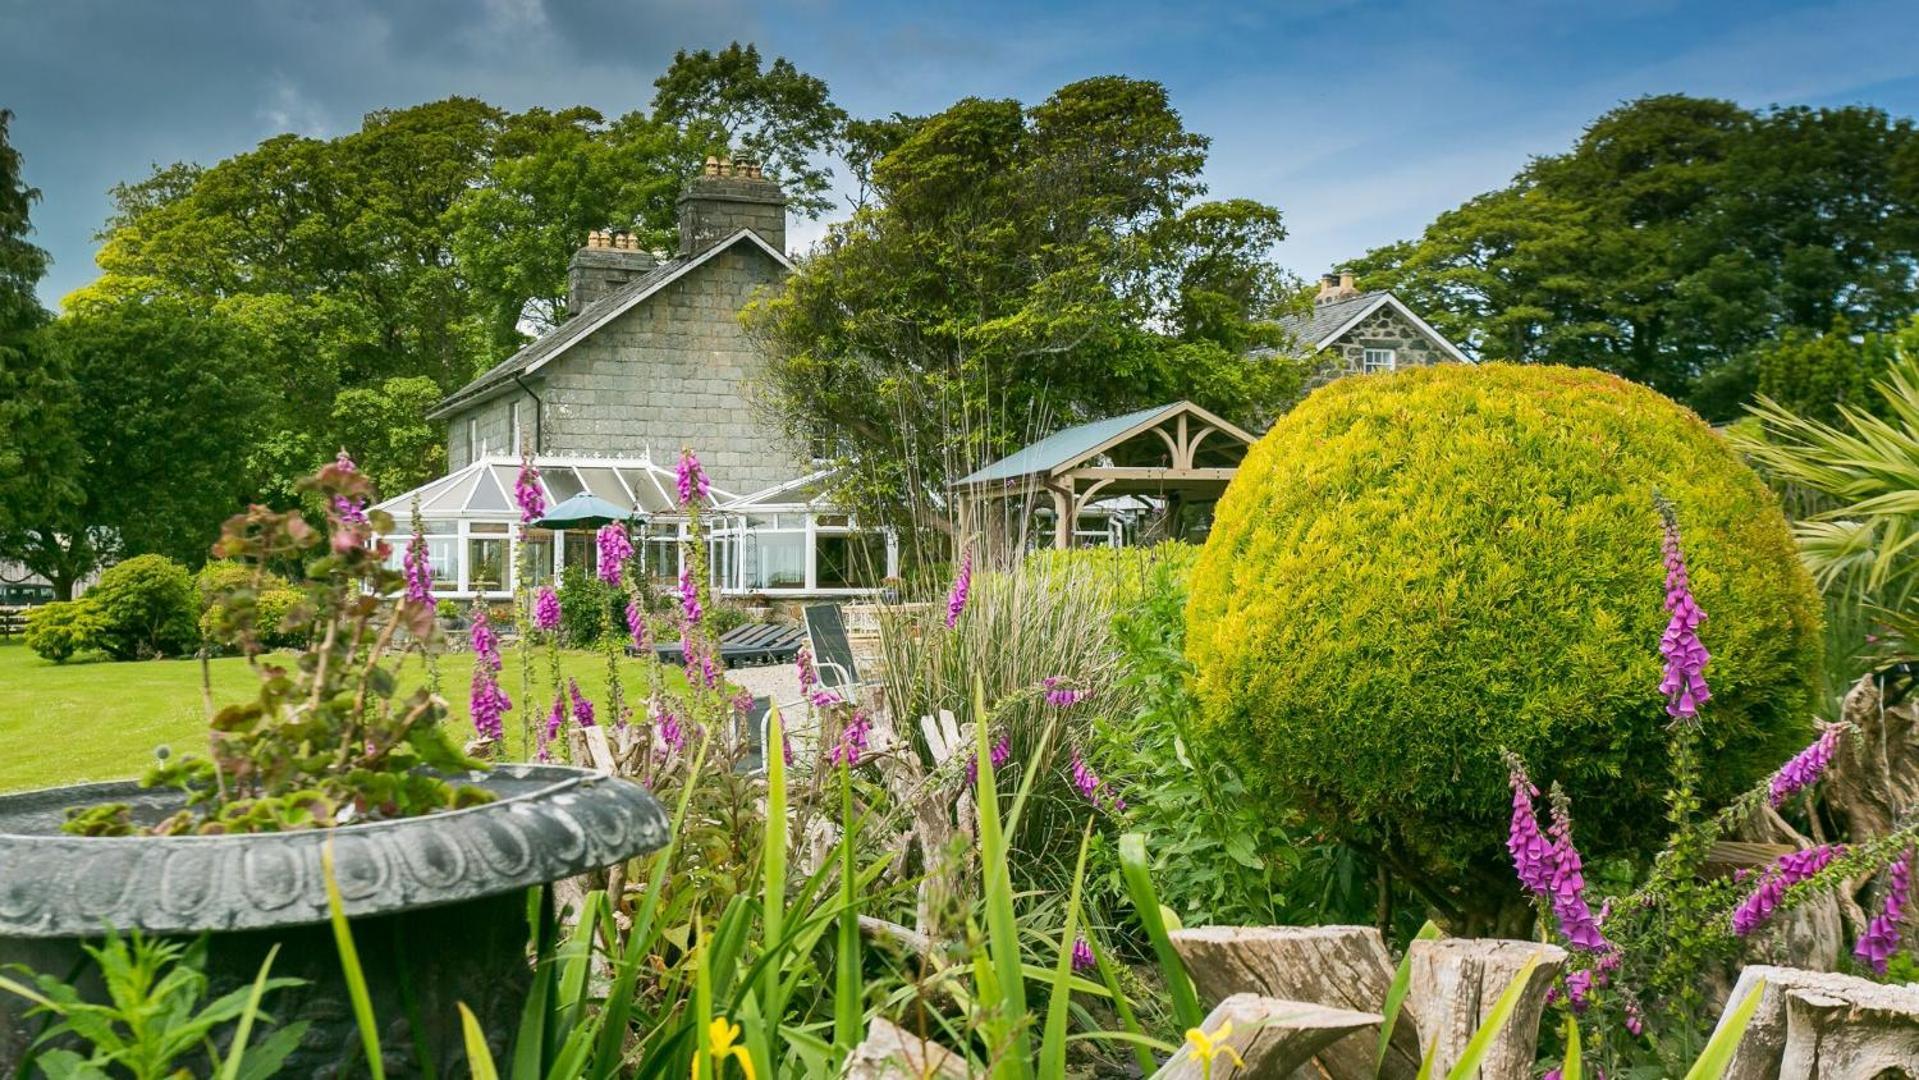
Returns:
point(550, 822)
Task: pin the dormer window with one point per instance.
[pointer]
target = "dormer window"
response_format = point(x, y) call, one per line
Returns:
point(1379, 360)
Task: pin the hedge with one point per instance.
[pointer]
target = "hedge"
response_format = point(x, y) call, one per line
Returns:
point(1411, 571)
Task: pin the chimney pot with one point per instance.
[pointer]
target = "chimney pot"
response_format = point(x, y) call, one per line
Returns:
point(1346, 284)
point(712, 166)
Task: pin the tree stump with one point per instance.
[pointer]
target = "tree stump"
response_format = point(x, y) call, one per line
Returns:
point(1880, 1012)
point(1455, 983)
point(890, 1052)
point(1273, 1037)
point(1338, 967)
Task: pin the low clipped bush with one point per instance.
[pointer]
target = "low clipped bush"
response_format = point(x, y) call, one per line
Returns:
point(222, 585)
point(1415, 570)
point(60, 630)
point(147, 607)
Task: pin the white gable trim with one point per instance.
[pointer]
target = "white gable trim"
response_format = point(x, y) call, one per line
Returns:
point(638, 298)
point(1422, 325)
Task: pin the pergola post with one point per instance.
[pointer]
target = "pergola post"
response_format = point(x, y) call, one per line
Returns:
point(1062, 518)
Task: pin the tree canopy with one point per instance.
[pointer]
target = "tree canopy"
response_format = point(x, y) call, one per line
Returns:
point(1012, 269)
point(1677, 235)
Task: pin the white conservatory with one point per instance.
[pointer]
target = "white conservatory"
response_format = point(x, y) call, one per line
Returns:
point(785, 541)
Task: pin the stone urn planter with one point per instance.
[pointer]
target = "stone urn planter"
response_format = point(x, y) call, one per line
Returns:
point(439, 905)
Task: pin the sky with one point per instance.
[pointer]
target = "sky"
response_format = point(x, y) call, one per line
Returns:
point(1361, 121)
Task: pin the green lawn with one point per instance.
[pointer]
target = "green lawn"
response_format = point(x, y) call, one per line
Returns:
point(98, 720)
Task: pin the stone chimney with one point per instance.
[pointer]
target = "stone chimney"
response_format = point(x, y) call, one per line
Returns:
point(726, 197)
point(1335, 287)
point(608, 261)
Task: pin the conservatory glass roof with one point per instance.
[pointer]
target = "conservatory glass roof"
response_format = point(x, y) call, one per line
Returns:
point(484, 489)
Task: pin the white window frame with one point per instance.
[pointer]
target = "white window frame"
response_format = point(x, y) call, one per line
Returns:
point(513, 425)
point(472, 439)
point(1372, 360)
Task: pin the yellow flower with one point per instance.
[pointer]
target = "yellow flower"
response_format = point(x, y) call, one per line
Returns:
point(1205, 1048)
point(720, 1037)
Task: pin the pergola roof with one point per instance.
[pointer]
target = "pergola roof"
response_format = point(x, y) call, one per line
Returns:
point(1072, 453)
point(485, 488)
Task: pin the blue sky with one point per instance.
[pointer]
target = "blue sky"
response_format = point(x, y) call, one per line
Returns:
point(1359, 120)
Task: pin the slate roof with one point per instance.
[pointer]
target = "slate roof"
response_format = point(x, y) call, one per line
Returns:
point(1311, 329)
point(591, 318)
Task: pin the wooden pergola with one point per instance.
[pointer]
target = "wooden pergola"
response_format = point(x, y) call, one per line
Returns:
point(1174, 453)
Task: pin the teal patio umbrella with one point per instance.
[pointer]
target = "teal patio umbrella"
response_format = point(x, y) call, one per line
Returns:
point(587, 511)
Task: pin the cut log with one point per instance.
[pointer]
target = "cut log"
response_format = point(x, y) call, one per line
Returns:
point(890, 1052)
point(1339, 967)
point(899, 938)
point(1830, 1036)
point(1456, 981)
point(1272, 1037)
point(1762, 1049)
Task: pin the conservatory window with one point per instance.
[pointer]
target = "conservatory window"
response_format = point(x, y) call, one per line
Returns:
point(538, 556)
point(486, 550)
point(1379, 360)
point(849, 560)
point(581, 551)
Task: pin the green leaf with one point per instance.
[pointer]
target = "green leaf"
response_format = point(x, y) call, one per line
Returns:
point(1396, 994)
point(1571, 1069)
point(350, 967)
point(1007, 1001)
point(243, 1032)
point(479, 1060)
point(1719, 1050)
point(1139, 887)
point(1052, 1054)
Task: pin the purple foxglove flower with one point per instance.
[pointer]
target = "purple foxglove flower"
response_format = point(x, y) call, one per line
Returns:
point(1083, 957)
point(1684, 684)
point(1805, 768)
point(636, 626)
point(1085, 780)
point(786, 747)
point(962, 585)
point(1579, 986)
point(527, 493)
point(1532, 853)
point(1635, 1021)
point(615, 549)
point(582, 708)
point(1881, 938)
point(486, 701)
point(691, 479)
point(999, 754)
point(1567, 887)
point(1059, 694)
point(672, 735)
point(418, 571)
point(546, 610)
point(743, 702)
point(689, 596)
point(1786, 871)
point(852, 742)
point(804, 662)
point(348, 511)
point(555, 720)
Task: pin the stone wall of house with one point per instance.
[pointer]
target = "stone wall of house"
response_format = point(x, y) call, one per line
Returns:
point(494, 428)
point(1383, 329)
point(671, 372)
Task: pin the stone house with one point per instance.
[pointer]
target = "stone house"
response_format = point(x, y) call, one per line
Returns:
point(1356, 333)
point(651, 358)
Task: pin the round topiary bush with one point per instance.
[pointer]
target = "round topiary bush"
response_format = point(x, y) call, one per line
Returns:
point(147, 607)
point(1412, 571)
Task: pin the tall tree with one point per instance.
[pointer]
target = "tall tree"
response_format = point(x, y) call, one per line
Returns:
point(39, 455)
point(1675, 236)
point(1016, 269)
point(730, 101)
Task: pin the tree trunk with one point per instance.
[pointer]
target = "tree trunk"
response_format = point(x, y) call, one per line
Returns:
point(1874, 776)
point(1830, 1036)
point(1455, 983)
point(1272, 1037)
point(1338, 967)
point(893, 1053)
point(1762, 1048)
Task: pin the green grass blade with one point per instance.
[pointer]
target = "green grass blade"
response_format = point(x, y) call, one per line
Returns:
point(575, 960)
point(702, 994)
point(772, 889)
point(1571, 1069)
point(243, 1031)
point(608, 1052)
point(1396, 995)
point(1426, 1063)
point(1718, 1053)
point(848, 984)
point(350, 967)
point(1142, 1053)
point(479, 1060)
point(1008, 1001)
point(1139, 887)
point(529, 1046)
point(1482, 1041)
point(1052, 1050)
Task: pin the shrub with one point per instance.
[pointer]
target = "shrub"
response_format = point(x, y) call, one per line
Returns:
point(147, 608)
point(588, 606)
point(221, 581)
point(58, 630)
point(1413, 571)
